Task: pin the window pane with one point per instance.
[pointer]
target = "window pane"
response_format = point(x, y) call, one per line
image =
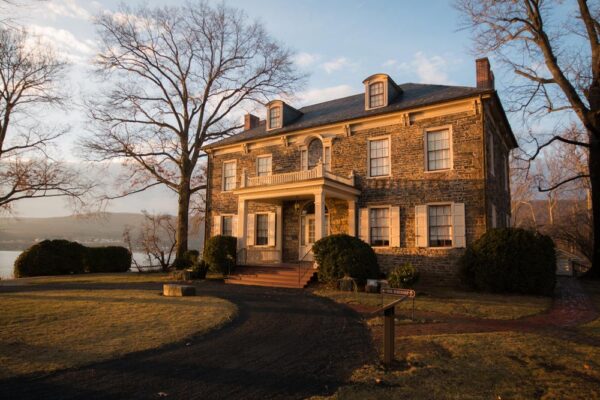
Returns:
point(227, 226)
point(262, 229)
point(440, 226)
point(438, 150)
point(379, 157)
point(379, 227)
point(274, 117)
point(229, 176)
point(263, 166)
point(376, 95)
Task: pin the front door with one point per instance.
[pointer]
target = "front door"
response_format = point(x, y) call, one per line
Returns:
point(307, 237)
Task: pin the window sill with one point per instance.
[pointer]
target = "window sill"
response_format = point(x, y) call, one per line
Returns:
point(439, 170)
point(379, 177)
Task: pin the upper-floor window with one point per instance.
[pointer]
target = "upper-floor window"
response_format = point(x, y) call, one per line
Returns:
point(227, 225)
point(263, 165)
point(379, 226)
point(376, 95)
point(274, 117)
point(262, 229)
point(440, 225)
point(229, 175)
point(438, 150)
point(379, 157)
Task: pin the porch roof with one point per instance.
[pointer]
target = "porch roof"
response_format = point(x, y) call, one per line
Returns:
point(299, 189)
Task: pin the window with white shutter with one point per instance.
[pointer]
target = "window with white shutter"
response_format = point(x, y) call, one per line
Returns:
point(395, 226)
point(250, 229)
point(363, 224)
point(272, 229)
point(216, 225)
point(421, 226)
point(458, 228)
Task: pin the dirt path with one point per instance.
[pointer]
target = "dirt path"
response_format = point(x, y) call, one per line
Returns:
point(285, 344)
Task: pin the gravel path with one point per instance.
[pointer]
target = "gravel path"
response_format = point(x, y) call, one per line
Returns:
point(285, 344)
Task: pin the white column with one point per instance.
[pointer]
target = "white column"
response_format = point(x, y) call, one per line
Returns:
point(351, 217)
point(320, 215)
point(242, 223)
point(279, 235)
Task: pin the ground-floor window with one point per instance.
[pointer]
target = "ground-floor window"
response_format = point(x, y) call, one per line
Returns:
point(262, 229)
point(440, 226)
point(379, 226)
point(227, 226)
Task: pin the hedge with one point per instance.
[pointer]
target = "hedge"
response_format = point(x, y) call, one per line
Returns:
point(62, 257)
point(220, 253)
point(343, 255)
point(510, 260)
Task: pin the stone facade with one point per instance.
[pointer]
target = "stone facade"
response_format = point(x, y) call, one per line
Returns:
point(469, 182)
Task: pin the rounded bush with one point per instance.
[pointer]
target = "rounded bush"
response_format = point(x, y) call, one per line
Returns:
point(510, 260)
point(107, 259)
point(344, 255)
point(221, 254)
point(190, 258)
point(403, 276)
point(200, 269)
point(51, 257)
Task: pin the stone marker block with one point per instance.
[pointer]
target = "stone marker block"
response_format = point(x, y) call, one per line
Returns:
point(172, 290)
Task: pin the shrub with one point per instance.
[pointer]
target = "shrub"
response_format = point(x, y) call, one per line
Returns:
point(220, 253)
point(51, 257)
point(190, 258)
point(403, 276)
point(510, 260)
point(107, 259)
point(200, 269)
point(344, 255)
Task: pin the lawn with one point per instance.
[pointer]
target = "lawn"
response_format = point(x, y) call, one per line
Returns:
point(43, 331)
point(482, 366)
point(593, 290)
point(450, 302)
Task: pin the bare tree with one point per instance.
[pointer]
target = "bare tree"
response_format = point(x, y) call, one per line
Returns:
point(178, 74)
point(156, 239)
point(554, 53)
point(30, 75)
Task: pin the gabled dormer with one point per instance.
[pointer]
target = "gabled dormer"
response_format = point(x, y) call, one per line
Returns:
point(380, 91)
point(279, 114)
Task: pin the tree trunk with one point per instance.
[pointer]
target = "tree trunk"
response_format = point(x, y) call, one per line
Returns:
point(182, 221)
point(594, 162)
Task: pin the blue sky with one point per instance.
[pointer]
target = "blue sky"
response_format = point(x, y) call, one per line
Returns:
point(338, 43)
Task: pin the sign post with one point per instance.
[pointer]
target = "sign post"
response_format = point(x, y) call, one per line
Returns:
point(389, 331)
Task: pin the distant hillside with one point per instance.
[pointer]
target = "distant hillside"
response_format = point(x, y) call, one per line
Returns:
point(95, 230)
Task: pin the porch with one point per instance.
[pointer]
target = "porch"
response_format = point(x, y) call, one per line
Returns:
point(280, 216)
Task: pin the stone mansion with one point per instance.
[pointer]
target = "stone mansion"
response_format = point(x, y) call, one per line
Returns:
point(417, 171)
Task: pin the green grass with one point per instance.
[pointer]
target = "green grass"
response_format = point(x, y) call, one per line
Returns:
point(451, 302)
point(481, 366)
point(43, 331)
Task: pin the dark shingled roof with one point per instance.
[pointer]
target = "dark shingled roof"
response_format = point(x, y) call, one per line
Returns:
point(351, 107)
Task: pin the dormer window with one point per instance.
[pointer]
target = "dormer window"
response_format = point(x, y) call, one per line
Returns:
point(274, 117)
point(376, 95)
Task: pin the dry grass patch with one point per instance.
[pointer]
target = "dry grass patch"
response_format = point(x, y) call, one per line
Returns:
point(593, 290)
point(44, 331)
point(446, 301)
point(482, 366)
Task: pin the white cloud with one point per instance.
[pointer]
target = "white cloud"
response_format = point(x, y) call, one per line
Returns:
point(428, 69)
point(390, 63)
point(337, 64)
point(304, 59)
point(65, 43)
point(319, 95)
point(67, 8)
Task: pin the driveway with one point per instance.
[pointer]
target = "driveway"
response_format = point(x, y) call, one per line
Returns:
point(284, 344)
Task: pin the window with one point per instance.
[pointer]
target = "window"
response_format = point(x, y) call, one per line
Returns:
point(376, 94)
point(263, 166)
point(262, 229)
point(379, 226)
point(274, 117)
point(438, 150)
point(229, 175)
point(379, 157)
point(227, 226)
point(440, 226)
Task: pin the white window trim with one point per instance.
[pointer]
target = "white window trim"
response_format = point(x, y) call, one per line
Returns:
point(441, 203)
point(234, 162)
point(389, 208)
point(265, 156)
point(269, 127)
point(425, 147)
point(371, 139)
point(368, 96)
point(256, 229)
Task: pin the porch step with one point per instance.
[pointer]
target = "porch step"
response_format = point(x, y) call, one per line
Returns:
point(297, 276)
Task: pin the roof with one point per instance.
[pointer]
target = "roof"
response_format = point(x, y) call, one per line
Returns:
point(352, 107)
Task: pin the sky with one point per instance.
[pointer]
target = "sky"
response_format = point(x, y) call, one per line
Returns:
point(337, 42)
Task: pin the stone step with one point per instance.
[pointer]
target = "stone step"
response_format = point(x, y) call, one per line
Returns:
point(264, 283)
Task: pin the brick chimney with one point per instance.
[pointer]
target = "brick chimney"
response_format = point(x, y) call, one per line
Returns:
point(485, 76)
point(250, 121)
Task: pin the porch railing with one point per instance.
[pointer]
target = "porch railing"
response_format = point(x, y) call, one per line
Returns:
point(250, 255)
point(292, 177)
